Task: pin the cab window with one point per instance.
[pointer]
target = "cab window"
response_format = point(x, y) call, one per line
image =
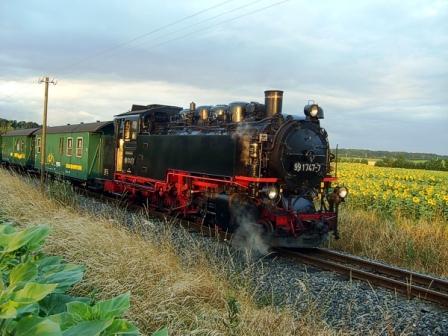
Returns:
point(127, 130)
point(134, 129)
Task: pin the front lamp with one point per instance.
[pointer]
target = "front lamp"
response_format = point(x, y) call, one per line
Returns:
point(272, 193)
point(342, 192)
point(314, 111)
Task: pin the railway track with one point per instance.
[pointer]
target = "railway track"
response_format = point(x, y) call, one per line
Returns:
point(409, 283)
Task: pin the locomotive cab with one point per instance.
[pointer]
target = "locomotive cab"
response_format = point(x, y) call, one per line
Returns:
point(139, 120)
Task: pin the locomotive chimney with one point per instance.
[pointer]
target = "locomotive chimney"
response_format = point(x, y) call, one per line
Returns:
point(273, 101)
point(192, 106)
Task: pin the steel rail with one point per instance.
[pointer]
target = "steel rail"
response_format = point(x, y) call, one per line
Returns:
point(406, 282)
point(422, 280)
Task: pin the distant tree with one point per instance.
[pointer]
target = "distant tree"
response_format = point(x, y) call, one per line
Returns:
point(400, 162)
point(8, 125)
point(365, 153)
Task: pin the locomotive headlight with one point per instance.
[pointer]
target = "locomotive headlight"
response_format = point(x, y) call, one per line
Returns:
point(314, 111)
point(272, 193)
point(342, 192)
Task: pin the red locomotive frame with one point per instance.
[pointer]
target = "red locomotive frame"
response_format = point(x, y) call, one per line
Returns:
point(177, 190)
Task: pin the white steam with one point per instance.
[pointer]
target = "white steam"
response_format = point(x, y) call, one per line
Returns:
point(249, 234)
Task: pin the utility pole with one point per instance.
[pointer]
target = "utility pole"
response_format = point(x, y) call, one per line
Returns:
point(43, 135)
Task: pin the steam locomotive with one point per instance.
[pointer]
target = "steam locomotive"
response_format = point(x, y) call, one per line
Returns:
point(232, 164)
point(226, 166)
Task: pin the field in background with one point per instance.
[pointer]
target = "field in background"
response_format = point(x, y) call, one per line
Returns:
point(395, 191)
point(425, 161)
point(396, 215)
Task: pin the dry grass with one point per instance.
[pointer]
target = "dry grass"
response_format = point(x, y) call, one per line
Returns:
point(421, 245)
point(186, 293)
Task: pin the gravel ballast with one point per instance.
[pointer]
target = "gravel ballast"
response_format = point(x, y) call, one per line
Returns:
point(349, 306)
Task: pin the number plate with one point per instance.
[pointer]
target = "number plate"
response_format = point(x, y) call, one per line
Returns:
point(307, 167)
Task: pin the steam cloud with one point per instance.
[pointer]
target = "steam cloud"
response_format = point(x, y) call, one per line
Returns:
point(249, 235)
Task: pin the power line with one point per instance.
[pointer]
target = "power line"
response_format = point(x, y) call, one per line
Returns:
point(152, 46)
point(122, 44)
point(187, 34)
point(213, 17)
point(222, 22)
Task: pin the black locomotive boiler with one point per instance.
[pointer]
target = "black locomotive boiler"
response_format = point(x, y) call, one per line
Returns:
point(230, 165)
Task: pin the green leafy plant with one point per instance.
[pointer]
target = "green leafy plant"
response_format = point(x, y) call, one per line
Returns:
point(104, 317)
point(33, 299)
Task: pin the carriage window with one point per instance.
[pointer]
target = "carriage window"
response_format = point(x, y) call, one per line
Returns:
point(38, 146)
point(127, 130)
point(61, 146)
point(20, 145)
point(79, 146)
point(69, 146)
point(134, 129)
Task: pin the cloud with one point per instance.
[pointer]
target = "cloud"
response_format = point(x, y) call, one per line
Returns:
point(375, 66)
point(82, 100)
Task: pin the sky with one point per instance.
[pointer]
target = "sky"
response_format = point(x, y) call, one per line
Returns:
point(379, 69)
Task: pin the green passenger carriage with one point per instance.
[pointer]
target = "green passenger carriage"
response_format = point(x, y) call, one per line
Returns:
point(17, 147)
point(79, 152)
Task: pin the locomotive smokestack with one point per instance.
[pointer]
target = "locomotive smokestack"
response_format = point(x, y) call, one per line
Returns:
point(192, 106)
point(273, 101)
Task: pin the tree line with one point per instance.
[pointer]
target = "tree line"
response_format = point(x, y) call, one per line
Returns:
point(374, 154)
point(9, 125)
point(401, 162)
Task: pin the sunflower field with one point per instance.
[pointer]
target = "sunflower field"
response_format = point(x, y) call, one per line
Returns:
point(395, 191)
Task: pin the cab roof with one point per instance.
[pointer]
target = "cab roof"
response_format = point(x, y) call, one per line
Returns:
point(139, 109)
